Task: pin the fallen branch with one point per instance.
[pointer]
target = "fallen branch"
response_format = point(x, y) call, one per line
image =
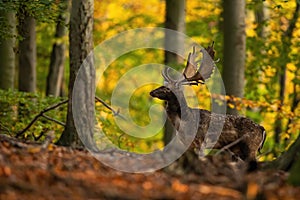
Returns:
point(38, 137)
point(40, 115)
point(227, 147)
point(54, 120)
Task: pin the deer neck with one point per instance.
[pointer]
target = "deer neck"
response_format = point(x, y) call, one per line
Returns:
point(177, 104)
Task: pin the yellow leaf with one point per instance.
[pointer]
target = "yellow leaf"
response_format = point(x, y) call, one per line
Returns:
point(230, 105)
point(251, 33)
point(291, 67)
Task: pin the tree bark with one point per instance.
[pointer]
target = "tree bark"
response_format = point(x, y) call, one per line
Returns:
point(234, 48)
point(286, 39)
point(56, 69)
point(81, 44)
point(7, 66)
point(27, 51)
point(7, 53)
point(174, 20)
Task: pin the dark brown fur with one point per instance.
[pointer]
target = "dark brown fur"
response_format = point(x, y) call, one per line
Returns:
point(250, 135)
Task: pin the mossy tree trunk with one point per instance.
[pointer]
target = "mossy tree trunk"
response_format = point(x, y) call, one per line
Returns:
point(81, 44)
point(7, 66)
point(56, 69)
point(27, 50)
point(7, 53)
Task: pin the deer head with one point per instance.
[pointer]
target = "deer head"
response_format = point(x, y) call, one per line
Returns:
point(171, 92)
point(196, 72)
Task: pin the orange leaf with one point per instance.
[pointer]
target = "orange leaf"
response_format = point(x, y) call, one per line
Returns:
point(176, 185)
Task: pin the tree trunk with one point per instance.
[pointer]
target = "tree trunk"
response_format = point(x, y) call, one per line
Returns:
point(56, 69)
point(7, 66)
point(7, 54)
point(174, 20)
point(286, 39)
point(27, 51)
point(234, 48)
point(288, 158)
point(260, 18)
point(81, 44)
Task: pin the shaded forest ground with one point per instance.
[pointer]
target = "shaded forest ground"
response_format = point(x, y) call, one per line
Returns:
point(45, 171)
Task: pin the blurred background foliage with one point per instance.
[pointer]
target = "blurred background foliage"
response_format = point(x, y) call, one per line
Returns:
point(20, 108)
point(266, 55)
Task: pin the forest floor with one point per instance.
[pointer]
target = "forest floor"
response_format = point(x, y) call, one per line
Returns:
point(36, 171)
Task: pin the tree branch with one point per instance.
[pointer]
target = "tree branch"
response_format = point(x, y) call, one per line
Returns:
point(54, 120)
point(42, 114)
point(39, 115)
point(115, 113)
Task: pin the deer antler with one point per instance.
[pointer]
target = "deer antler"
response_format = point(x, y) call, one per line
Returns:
point(165, 74)
point(210, 50)
point(193, 75)
point(199, 75)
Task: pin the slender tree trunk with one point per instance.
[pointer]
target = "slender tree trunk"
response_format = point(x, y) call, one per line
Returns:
point(286, 43)
point(7, 66)
point(175, 20)
point(7, 54)
point(234, 48)
point(81, 44)
point(260, 18)
point(56, 69)
point(27, 51)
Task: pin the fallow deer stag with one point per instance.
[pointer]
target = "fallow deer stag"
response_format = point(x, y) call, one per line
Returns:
point(239, 135)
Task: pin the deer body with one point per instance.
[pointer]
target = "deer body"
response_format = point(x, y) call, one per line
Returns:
point(249, 135)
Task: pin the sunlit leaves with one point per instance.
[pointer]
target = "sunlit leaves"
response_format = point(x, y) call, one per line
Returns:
point(202, 21)
point(112, 17)
point(269, 56)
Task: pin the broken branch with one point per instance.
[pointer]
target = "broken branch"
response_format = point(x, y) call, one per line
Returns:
point(39, 115)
